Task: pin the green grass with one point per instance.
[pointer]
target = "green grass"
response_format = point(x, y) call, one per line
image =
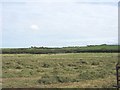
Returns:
point(59, 70)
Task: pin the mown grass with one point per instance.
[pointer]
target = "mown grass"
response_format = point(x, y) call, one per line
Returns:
point(59, 70)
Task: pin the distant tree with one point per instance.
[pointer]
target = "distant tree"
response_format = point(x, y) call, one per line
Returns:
point(103, 44)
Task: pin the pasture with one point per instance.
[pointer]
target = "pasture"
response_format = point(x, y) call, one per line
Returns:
point(70, 70)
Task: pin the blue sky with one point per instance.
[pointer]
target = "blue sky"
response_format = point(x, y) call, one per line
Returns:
point(56, 23)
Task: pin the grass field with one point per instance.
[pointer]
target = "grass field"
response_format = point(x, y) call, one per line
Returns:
point(80, 70)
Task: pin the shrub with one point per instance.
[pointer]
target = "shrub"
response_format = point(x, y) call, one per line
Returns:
point(45, 65)
point(83, 62)
point(46, 79)
point(19, 67)
point(95, 63)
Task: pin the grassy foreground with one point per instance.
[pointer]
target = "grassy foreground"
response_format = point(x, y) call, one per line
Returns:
point(79, 70)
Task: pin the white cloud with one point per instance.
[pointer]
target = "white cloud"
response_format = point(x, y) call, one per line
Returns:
point(34, 27)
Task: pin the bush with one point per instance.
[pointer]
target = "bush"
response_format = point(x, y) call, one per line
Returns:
point(45, 65)
point(19, 67)
point(63, 79)
point(46, 79)
point(83, 62)
point(95, 63)
point(55, 79)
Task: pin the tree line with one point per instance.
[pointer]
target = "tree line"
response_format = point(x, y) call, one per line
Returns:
point(76, 49)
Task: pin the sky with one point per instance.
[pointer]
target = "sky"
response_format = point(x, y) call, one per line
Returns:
point(58, 23)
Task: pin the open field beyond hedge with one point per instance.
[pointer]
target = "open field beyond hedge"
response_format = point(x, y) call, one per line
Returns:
point(71, 70)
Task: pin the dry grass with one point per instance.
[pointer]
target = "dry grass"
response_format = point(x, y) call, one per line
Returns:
point(94, 70)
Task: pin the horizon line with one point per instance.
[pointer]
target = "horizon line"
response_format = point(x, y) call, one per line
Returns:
point(61, 46)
